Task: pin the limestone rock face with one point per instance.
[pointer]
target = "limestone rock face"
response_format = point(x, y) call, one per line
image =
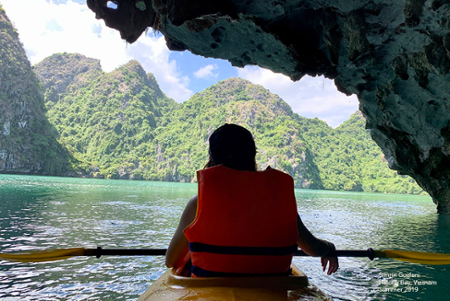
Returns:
point(395, 55)
point(59, 71)
point(27, 140)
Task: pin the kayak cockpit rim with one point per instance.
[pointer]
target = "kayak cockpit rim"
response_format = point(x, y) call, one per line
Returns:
point(295, 281)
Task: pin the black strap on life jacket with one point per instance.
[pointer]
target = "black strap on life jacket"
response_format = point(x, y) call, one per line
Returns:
point(255, 251)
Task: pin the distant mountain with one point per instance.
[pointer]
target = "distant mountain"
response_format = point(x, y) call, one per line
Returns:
point(121, 125)
point(27, 140)
point(314, 154)
point(348, 159)
point(106, 120)
point(183, 144)
point(59, 71)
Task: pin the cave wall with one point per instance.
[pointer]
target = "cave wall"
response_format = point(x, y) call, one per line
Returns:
point(395, 55)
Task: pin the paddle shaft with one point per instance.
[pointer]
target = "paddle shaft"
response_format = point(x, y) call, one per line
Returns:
point(124, 252)
point(369, 253)
point(151, 252)
point(58, 254)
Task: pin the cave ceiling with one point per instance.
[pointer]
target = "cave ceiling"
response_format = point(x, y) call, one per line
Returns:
point(394, 55)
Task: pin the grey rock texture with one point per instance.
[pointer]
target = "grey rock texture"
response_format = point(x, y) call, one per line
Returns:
point(27, 140)
point(395, 55)
point(59, 71)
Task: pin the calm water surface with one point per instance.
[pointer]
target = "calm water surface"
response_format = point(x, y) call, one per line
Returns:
point(38, 213)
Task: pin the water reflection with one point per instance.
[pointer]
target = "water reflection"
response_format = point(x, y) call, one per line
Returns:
point(359, 221)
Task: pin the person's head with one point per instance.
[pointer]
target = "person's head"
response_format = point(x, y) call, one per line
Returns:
point(233, 146)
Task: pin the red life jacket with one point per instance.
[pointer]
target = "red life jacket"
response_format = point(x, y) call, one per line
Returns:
point(246, 223)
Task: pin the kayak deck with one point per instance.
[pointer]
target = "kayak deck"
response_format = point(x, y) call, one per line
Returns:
point(173, 287)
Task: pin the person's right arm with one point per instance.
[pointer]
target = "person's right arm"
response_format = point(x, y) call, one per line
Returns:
point(179, 244)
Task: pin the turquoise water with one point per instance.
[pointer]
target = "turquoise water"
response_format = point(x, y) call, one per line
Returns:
point(38, 213)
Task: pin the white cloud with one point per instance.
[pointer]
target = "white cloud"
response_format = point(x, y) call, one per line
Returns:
point(206, 72)
point(310, 97)
point(46, 28)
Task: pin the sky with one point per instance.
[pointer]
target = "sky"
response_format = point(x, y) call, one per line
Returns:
point(52, 26)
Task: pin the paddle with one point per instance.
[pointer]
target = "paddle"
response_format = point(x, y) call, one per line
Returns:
point(59, 254)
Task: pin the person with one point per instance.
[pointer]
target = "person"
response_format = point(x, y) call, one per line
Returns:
point(242, 222)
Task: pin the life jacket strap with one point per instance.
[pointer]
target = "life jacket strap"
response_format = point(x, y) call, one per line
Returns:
point(253, 251)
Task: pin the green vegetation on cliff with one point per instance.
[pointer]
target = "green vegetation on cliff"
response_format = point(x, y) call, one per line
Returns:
point(349, 159)
point(121, 125)
point(106, 120)
point(183, 143)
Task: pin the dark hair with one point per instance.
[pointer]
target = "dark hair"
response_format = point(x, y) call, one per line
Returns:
point(233, 146)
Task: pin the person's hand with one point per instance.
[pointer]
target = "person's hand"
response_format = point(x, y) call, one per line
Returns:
point(330, 260)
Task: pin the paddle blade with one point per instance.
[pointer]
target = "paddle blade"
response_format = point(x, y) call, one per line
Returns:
point(44, 255)
point(415, 257)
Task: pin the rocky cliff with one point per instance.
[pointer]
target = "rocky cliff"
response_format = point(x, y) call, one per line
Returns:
point(184, 144)
point(395, 55)
point(106, 120)
point(27, 140)
point(59, 71)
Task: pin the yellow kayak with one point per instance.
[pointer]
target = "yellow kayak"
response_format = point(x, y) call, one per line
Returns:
point(171, 287)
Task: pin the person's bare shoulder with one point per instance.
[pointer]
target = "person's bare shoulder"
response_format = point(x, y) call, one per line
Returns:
point(189, 212)
point(192, 202)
